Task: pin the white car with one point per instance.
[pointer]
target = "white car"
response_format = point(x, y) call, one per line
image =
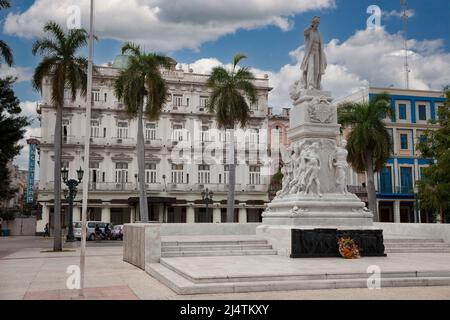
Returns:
point(90, 232)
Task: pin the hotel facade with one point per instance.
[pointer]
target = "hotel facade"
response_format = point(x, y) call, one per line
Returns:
point(396, 183)
point(183, 154)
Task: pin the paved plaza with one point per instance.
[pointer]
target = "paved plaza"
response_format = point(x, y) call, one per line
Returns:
point(32, 272)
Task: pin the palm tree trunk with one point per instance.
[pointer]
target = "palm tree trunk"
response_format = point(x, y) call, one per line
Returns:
point(231, 180)
point(371, 192)
point(143, 206)
point(57, 243)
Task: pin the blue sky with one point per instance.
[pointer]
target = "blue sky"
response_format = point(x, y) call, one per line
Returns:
point(204, 33)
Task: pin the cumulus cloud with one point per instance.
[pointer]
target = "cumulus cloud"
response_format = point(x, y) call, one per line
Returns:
point(369, 57)
point(21, 73)
point(398, 14)
point(165, 24)
point(22, 159)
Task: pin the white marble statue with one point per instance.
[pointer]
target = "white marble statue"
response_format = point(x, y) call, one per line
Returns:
point(313, 170)
point(314, 62)
point(286, 170)
point(340, 163)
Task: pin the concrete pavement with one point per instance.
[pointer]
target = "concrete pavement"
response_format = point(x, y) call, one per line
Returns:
point(31, 272)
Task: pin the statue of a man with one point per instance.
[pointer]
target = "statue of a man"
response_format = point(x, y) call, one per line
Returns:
point(315, 62)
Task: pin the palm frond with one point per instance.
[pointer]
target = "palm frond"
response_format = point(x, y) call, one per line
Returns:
point(5, 4)
point(238, 58)
point(56, 30)
point(6, 53)
point(129, 47)
point(43, 69)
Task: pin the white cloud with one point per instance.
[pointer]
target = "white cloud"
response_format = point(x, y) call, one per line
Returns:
point(21, 73)
point(369, 57)
point(398, 14)
point(22, 159)
point(33, 130)
point(165, 24)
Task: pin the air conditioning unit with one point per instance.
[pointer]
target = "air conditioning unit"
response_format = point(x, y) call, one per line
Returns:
point(201, 186)
point(174, 143)
point(118, 186)
point(147, 141)
point(251, 187)
point(119, 140)
point(202, 109)
point(91, 139)
point(175, 108)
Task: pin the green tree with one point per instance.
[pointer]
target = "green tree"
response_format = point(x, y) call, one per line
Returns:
point(230, 88)
point(12, 130)
point(434, 188)
point(65, 70)
point(142, 88)
point(369, 142)
point(5, 50)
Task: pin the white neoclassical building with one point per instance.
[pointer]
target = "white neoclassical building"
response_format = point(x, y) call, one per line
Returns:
point(183, 153)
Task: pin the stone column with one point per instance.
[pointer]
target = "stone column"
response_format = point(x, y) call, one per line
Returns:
point(137, 213)
point(217, 215)
point(397, 211)
point(132, 214)
point(190, 213)
point(76, 216)
point(106, 214)
point(161, 213)
point(40, 225)
point(243, 215)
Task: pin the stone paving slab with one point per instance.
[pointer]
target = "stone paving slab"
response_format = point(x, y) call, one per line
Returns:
point(199, 268)
point(97, 293)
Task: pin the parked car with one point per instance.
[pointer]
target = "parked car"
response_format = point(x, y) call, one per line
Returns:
point(117, 232)
point(90, 232)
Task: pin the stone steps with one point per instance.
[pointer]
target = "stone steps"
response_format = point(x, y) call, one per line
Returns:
point(184, 285)
point(212, 242)
point(218, 253)
point(215, 247)
point(205, 248)
point(415, 245)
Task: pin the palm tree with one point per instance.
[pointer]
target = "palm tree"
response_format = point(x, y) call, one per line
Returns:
point(65, 70)
point(369, 142)
point(228, 101)
point(5, 50)
point(143, 90)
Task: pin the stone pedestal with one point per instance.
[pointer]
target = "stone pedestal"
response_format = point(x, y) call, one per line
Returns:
point(314, 193)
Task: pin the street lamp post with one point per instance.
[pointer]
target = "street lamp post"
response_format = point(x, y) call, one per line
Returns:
point(70, 195)
point(207, 196)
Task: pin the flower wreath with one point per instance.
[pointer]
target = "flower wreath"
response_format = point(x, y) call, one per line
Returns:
point(348, 248)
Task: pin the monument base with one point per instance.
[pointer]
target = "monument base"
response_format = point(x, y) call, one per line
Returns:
point(280, 236)
point(322, 243)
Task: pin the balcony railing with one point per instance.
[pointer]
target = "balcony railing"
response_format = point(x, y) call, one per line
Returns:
point(157, 187)
point(398, 190)
point(153, 143)
point(357, 189)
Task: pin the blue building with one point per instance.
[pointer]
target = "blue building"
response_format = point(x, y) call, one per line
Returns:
point(396, 183)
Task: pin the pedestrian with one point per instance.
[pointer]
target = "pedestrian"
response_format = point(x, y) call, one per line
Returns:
point(46, 231)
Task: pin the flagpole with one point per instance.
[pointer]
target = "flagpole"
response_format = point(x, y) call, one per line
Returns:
point(86, 152)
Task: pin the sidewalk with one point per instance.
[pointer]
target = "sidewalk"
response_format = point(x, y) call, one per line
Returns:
point(33, 274)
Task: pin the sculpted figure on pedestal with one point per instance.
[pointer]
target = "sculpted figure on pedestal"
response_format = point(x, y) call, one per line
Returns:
point(287, 171)
point(314, 62)
point(312, 171)
point(339, 162)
